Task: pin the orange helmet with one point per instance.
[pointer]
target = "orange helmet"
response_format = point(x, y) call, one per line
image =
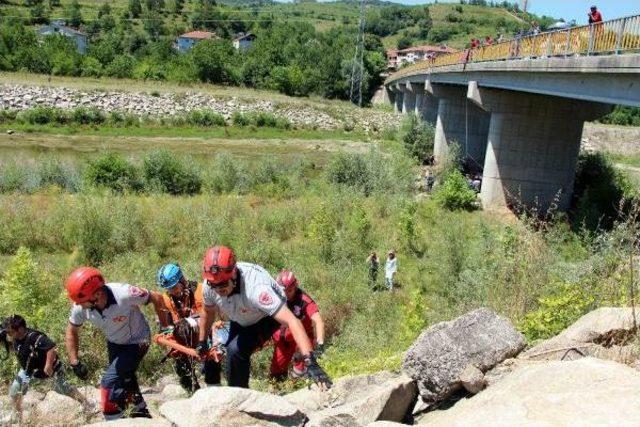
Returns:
point(218, 265)
point(83, 283)
point(287, 279)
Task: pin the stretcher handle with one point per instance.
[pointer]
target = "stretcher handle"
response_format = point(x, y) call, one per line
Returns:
point(162, 339)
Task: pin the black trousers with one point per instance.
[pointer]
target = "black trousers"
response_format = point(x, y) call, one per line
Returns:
point(243, 341)
point(186, 370)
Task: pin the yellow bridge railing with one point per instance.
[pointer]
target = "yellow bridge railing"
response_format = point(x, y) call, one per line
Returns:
point(617, 36)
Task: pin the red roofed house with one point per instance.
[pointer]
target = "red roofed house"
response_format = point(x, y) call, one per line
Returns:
point(187, 40)
point(395, 58)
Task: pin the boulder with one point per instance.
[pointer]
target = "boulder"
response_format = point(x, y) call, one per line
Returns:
point(174, 391)
point(472, 379)
point(441, 353)
point(363, 398)
point(232, 407)
point(133, 422)
point(57, 410)
point(586, 392)
point(604, 333)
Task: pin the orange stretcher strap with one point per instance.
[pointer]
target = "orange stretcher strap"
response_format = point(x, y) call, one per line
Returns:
point(169, 341)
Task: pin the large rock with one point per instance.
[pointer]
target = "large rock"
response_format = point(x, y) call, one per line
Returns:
point(232, 407)
point(57, 410)
point(441, 353)
point(604, 333)
point(358, 400)
point(586, 392)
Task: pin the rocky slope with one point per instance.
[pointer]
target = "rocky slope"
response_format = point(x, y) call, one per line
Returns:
point(470, 371)
point(156, 104)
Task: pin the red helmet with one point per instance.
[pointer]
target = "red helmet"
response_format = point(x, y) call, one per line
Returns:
point(287, 279)
point(219, 264)
point(83, 283)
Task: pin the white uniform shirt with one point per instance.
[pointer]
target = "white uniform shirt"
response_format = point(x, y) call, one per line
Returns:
point(258, 296)
point(391, 267)
point(121, 321)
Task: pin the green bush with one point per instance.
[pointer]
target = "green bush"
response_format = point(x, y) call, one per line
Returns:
point(598, 191)
point(169, 174)
point(43, 116)
point(418, 137)
point(205, 117)
point(88, 116)
point(226, 175)
point(556, 312)
point(240, 119)
point(112, 171)
point(55, 172)
point(455, 193)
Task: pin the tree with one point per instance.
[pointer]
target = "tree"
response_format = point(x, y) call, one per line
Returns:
point(38, 14)
point(135, 8)
point(74, 14)
point(214, 60)
point(54, 4)
point(404, 42)
point(153, 24)
point(178, 5)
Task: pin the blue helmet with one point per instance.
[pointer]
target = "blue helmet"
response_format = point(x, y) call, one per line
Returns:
point(168, 276)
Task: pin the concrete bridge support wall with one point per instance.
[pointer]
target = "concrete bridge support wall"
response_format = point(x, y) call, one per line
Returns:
point(459, 120)
point(398, 93)
point(408, 100)
point(533, 146)
point(429, 109)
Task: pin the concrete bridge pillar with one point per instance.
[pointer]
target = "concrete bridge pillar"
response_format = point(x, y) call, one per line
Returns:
point(461, 121)
point(408, 99)
point(533, 146)
point(429, 109)
point(398, 98)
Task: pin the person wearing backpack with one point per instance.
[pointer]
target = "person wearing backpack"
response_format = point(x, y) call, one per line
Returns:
point(38, 360)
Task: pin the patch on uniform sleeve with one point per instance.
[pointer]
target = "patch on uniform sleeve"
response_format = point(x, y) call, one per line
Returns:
point(138, 292)
point(265, 299)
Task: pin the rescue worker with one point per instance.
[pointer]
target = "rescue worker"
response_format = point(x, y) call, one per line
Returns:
point(255, 305)
point(113, 308)
point(304, 308)
point(182, 299)
point(38, 360)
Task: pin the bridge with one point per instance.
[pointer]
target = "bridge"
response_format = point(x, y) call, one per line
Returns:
point(517, 108)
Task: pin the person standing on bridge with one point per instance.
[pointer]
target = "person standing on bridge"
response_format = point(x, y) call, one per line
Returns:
point(595, 17)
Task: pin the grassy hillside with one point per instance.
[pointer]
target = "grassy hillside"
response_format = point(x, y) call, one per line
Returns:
point(455, 25)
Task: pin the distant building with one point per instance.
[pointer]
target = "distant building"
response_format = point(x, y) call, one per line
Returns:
point(396, 58)
point(59, 27)
point(244, 41)
point(187, 40)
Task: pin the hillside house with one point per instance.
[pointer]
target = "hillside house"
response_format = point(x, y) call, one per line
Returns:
point(187, 40)
point(410, 55)
point(59, 27)
point(244, 41)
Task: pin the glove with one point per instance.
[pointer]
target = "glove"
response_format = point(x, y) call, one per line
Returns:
point(319, 351)
point(315, 373)
point(80, 370)
point(202, 348)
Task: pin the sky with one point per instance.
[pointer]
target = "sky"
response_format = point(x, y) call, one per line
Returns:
point(568, 9)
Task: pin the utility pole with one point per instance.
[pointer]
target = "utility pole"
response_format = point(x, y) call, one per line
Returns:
point(357, 70)
point(524, 5)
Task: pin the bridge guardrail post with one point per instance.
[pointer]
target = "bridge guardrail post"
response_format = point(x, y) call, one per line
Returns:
point(549, 47)
point(620, 36)
point(591, 39)
point(566, 48)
